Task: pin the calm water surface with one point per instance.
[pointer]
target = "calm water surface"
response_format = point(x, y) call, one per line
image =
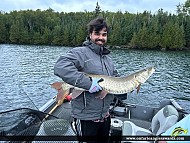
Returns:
point(27, 71)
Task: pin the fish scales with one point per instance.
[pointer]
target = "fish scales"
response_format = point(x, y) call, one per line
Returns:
point(113, 85)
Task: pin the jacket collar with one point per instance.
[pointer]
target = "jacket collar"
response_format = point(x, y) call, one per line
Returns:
point(100, 50)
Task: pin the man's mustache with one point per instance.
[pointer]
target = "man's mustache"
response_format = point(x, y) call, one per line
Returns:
point(102, 40)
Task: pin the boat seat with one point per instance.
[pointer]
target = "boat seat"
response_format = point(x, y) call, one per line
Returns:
point(162, 120)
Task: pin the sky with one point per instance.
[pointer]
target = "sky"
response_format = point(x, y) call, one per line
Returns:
point(132, 6)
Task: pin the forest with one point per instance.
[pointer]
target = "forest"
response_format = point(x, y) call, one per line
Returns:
point(159, 31)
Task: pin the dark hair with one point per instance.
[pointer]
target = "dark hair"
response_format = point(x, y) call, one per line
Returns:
point(97, 24)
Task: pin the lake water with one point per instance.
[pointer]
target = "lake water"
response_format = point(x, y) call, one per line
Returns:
point(26, 73)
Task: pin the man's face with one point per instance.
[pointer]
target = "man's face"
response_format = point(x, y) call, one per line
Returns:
point(99, 37)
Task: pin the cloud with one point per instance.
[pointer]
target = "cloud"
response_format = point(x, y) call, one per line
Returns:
point(10, 5)
point(132, 6)
point(72, 6)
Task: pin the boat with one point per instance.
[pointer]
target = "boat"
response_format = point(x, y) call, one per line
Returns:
point(52, 122)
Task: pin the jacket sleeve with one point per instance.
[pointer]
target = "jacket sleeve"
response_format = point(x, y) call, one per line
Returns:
point(68, 68)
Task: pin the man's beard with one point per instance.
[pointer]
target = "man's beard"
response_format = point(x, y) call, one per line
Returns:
point(102, 40)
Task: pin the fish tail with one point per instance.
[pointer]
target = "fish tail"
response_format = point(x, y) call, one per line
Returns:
point(75, 93)
point(57, 85)
point(62, 94)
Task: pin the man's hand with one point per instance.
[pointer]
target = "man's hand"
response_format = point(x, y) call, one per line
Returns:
point(95, 87)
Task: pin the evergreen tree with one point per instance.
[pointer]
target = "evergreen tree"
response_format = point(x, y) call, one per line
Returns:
point(15, 33)
point(97, 10)
point(3, 33)
point(57, 35)
point(134, 41)
point(37, 38)
point(187, 32)
point(186, 7)
point(142, 30)
point(47, 36)
point(143, 36)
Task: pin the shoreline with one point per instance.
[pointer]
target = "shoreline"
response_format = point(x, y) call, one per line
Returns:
point(122, 47)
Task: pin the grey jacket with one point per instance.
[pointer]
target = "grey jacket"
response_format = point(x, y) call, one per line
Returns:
point(91, 59)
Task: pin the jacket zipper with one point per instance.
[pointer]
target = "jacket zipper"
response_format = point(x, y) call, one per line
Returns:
point(103, 65)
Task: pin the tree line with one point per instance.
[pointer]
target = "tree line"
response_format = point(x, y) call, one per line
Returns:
point(162, 30)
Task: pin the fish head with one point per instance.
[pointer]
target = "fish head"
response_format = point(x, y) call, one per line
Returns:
point(144, 74)
point(151, 70)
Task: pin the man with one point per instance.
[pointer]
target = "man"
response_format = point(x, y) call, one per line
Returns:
point(91, 114)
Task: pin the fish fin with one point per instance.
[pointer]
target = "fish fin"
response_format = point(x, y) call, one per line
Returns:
point(61, 96)
point(75, 93)
point(138, 88)
point(57, 85)
point(101, 94)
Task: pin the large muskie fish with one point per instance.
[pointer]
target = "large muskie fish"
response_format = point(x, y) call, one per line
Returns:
point(113, 85)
